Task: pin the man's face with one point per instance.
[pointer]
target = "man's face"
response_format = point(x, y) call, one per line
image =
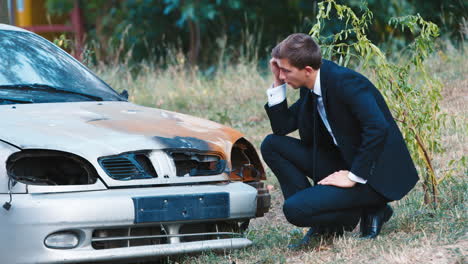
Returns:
point(291, 75)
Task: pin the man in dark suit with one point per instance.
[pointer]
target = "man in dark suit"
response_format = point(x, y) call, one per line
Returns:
point(350, 145)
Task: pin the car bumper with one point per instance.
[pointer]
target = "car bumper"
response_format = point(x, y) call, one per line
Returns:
point(33, 217)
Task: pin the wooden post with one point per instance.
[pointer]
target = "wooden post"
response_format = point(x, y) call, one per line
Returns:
point(77, 25)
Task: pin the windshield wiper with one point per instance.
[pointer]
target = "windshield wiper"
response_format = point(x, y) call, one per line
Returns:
point(47, 88)
point(14, 100)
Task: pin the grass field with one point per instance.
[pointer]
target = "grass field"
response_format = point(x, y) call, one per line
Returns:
point(235, 96)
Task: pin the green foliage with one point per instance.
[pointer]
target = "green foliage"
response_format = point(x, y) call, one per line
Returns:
point(448, 15)
point(145, 29)
point(58, 7)
point(63, 42)
point(412, 93)
point(200, 10)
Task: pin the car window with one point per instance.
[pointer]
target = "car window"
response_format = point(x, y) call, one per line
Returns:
point(26, 58)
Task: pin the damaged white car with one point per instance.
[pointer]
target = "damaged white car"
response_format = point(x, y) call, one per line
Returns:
point(87, 176)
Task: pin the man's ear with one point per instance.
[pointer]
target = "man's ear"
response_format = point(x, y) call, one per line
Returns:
point(309, 70)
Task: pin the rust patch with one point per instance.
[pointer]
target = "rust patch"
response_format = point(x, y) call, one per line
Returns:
point(156, 123)
point(216, 140)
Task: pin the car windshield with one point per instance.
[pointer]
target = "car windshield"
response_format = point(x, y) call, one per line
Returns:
point(33, 70)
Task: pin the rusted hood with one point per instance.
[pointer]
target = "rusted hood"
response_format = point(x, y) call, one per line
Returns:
point(94, 129)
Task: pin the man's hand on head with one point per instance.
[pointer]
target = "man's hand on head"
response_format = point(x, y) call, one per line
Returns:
point(276, 72)
point(338, 179)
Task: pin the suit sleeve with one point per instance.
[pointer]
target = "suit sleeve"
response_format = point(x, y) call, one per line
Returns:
point(283, 119)
point(357, 93)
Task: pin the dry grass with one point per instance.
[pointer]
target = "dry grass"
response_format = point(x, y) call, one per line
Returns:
point(235, 96)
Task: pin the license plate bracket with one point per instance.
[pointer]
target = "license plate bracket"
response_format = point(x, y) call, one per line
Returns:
point(181, 207)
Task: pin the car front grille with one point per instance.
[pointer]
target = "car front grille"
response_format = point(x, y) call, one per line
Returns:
point(126, 237)
point(132, 236)
point(128, 166)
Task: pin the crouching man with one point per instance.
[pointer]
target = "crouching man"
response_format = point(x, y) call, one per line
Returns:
point(349, 146)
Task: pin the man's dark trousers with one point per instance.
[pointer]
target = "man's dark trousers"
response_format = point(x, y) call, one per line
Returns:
point(325, 208)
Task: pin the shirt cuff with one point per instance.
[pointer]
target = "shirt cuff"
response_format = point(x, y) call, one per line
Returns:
point(276, 95)
point(355, 178)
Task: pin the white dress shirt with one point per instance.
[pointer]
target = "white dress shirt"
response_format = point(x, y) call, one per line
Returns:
point(277, 95)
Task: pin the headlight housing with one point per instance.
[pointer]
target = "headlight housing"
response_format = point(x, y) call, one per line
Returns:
point(245, 162)
point(197, 164)
point(50, 167)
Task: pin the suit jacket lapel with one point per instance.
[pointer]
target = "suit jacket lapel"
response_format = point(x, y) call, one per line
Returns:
point(325, 74)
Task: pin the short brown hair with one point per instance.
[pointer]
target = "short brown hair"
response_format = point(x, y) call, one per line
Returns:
point(301, 51)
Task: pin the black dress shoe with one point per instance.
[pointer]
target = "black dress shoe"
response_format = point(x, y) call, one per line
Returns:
point(305, 240)
point(315, 232)
point(371, 222)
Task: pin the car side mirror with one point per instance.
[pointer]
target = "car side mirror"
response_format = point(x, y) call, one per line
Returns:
point(124, 94)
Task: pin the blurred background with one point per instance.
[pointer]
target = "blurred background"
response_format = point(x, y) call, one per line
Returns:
point(208, 32)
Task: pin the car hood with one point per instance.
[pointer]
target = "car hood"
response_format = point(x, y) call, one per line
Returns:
point(95, 129)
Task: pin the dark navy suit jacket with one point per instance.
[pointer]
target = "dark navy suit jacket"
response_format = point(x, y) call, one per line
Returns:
point(368, 137)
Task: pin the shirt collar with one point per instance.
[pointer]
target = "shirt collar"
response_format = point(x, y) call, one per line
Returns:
point(317, 88)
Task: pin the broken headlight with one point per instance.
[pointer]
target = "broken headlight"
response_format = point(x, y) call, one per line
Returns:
point(197, 164)
point(49, 167)
point(246, 164)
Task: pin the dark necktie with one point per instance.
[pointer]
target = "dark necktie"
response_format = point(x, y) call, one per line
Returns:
point(308, 119)
point(308, 125)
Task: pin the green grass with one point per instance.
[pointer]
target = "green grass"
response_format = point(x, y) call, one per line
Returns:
point(235, 96)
